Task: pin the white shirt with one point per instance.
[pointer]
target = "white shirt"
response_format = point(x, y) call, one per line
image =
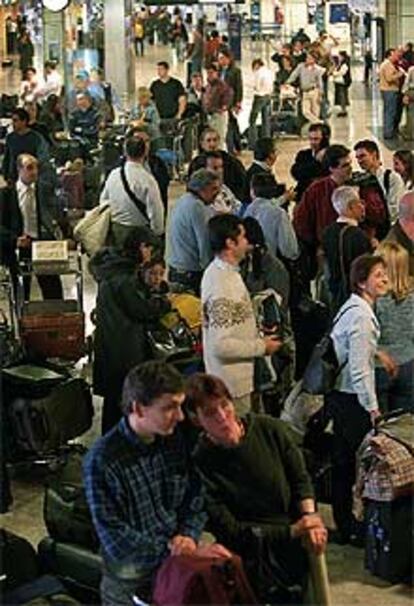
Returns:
point(27, 203)
point(145, 187)
point(396, 190)
point(53, 85)
point(263, 81)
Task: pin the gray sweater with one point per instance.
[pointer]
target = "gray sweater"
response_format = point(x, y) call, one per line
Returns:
point(396, 320)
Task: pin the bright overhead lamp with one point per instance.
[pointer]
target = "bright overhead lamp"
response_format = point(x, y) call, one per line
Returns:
point(56, 5)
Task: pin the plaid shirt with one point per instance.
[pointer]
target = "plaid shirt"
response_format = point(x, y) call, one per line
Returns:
point(140, 495)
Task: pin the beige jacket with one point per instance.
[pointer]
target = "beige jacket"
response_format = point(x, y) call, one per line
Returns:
point(390, 76)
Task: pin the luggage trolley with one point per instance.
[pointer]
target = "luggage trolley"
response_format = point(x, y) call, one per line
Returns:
point(286, 116)
point(53, 328)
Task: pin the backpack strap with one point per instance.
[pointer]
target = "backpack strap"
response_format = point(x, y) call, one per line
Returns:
point(341, 255)
point(138, 203)
point(387, 181)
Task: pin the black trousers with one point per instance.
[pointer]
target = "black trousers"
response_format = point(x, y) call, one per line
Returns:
point(351, 423)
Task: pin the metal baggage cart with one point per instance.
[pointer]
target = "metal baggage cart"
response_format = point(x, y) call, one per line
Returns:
point(65, 314)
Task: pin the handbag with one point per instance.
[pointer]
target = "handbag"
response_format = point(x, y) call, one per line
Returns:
point(323, 367)
point(92, 231)
point(171, 339)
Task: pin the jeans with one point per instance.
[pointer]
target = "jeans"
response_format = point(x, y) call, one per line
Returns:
point(260, 105)
point(396, 392)
point(390, 101)
point(119, 592)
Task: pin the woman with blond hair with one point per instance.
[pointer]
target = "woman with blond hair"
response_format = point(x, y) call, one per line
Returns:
point(395, 313)
point(145, 113)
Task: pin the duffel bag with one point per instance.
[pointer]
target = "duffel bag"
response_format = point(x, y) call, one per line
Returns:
point(41, 425)
point(65, 510)
point(195, 580)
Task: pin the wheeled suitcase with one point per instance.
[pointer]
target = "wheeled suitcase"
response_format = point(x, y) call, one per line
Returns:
point(44, 424)
point(65, 510)
point(76, 567)
point(390, 539)
point(53, 329)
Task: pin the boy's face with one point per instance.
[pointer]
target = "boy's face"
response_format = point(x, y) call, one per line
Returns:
point(154, 276)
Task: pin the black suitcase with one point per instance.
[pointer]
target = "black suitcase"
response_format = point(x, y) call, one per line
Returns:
point(44, 420)
point(390, 539)
point(77, 568)
point(65, 510)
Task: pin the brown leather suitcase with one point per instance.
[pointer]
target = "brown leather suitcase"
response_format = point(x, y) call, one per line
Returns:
point(53, 329)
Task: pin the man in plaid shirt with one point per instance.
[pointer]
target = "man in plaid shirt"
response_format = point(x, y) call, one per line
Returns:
point(145, 498)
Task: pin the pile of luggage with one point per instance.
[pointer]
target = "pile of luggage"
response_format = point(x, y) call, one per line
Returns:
point(385, 496)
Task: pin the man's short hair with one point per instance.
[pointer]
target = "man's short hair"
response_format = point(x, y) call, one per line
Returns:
point(163, 64)
point(200, 179)
point(257, 62)
point(222, 227)
point(149, 381)
point(263, 185)
point(200, 388)
point(263, 148)
point(361, 268)
point(342, 197)
point(369, 145)
point(84, 94)
point(212, 154)
point(135, 147)
point(333, 156)
point(23, 159)
point(22, 114)
point(389, 52)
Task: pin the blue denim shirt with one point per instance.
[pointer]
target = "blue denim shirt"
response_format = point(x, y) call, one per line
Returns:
point(355, 336)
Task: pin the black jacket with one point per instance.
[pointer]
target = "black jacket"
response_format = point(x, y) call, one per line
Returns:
point(124, 309)
point(233, 77)
point(234, 173)
point(305, 169)
point(11, 222)
point(355, 242)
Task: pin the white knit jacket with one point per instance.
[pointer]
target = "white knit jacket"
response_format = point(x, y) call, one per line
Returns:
point(230, 337)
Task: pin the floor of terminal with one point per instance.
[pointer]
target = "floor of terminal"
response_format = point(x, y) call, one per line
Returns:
point(350, 583)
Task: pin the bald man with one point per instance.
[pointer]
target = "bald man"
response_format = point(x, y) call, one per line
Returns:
point(24, 218)
point(403, 230)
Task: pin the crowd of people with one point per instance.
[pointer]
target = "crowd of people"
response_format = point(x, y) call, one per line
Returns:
point(179, 455)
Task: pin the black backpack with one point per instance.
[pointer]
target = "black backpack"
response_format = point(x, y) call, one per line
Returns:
point(66, 512)
point(323, 367)
point(348, 77)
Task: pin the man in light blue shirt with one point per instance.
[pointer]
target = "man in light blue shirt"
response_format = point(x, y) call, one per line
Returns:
point(188, 249)
point(274, 220)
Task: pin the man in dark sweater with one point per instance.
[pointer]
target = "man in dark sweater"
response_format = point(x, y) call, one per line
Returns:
point(259, 496)
point(23, 140)
point(343, 241)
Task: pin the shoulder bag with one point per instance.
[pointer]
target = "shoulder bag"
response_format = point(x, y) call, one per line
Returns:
point(138, 203)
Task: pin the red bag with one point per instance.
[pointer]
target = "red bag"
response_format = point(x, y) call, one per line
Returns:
point(185, 580)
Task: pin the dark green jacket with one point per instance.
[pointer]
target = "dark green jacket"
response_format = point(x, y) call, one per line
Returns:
point(259, 483)
point(124, 309)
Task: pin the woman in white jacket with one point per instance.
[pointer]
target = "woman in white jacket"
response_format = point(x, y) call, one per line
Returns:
point(353, 404)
